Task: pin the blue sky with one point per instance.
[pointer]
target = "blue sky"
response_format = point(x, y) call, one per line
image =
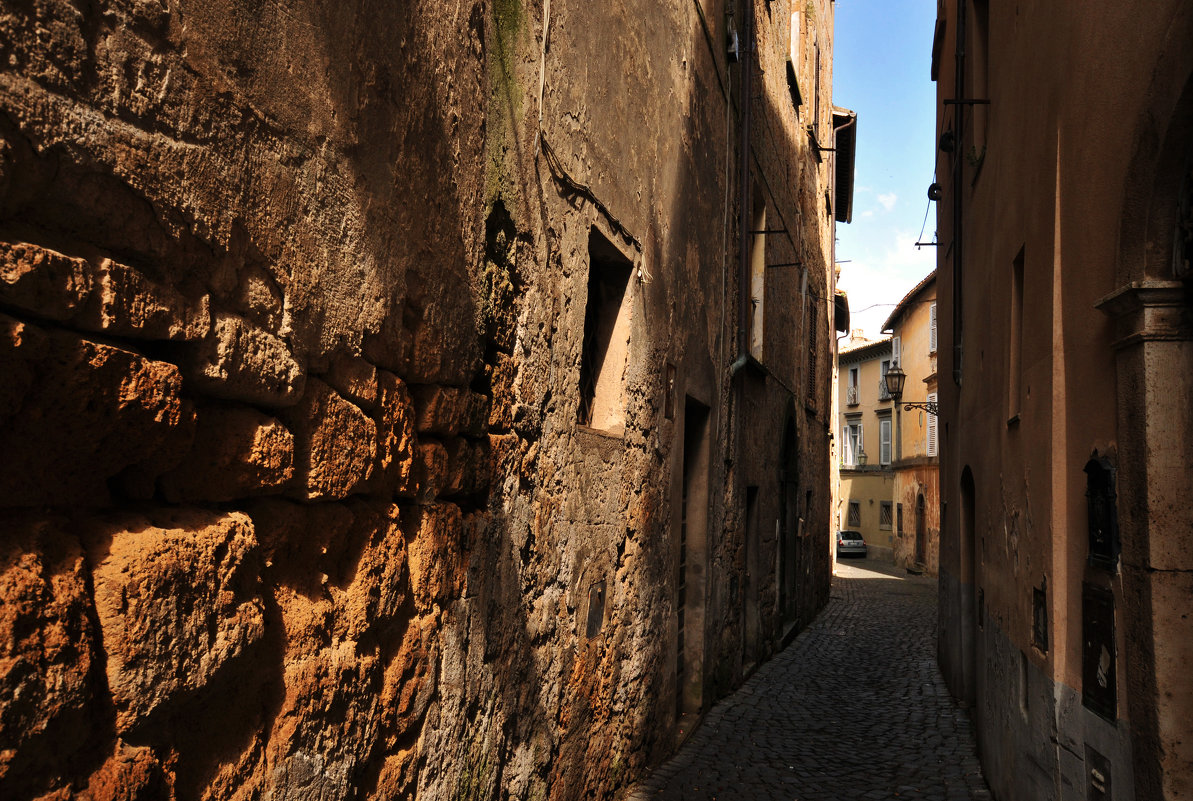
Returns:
point(882, 58)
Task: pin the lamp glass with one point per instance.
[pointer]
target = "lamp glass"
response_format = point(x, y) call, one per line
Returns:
point(894, 381)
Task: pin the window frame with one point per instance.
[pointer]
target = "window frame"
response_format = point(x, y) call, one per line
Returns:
point(886, 510)
point(886, 441)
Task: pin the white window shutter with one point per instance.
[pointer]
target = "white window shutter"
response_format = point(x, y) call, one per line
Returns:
point(932, 328)
point(846, 447)
point(861, 446)
point(896, 350)
point(931, 427)
point(797, 42)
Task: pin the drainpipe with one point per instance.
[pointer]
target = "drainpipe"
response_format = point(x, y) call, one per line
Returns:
point(958, 190)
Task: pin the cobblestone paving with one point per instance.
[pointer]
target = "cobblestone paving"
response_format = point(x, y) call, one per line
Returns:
point(855, 708)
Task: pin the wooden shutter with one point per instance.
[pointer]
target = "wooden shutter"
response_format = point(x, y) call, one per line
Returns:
point(931, 427)
point(846, 447)
point(932, 328)
point(896, 350)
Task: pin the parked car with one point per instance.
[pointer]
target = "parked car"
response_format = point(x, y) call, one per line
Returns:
point(850, 542)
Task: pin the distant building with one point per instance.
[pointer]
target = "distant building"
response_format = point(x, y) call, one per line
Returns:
point(1065, 266)
point(916, 496)
point(865, 425)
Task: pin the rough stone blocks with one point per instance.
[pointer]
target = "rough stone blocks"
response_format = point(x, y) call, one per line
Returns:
point(47, 650)
point(237, 453)
point(335, 444)
point(100, 295)
point(239, 361)
point(74, 412)
point(178, 598)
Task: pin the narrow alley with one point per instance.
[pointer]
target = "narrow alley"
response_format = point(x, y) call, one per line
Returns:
point(855, 708)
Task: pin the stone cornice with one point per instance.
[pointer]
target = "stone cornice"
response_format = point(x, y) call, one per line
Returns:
point(1148, 311)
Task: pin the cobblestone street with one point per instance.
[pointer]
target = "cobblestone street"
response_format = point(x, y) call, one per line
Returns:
point(855, 708)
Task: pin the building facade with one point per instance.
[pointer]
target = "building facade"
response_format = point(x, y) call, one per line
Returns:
point(914, 340)
point(406, 400)
point(1066, 557)
point(867, 441)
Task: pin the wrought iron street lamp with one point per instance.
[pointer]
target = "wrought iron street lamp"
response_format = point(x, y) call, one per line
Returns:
point(895, 379)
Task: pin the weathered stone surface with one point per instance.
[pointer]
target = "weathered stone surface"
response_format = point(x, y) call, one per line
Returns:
point(239, 361)
point(378, 589)
point(355, 379)
point(126, 303)
point(335, 444)
point(394, 417)
point(78, 413)
point(430, 470)
point(467, 467)
point(434, 552)
point(43, 281)
point(47, 650)
point(303, 545)
point(99, 295)
point(130, 774)
point(237, 453)
point(501, 383)
point(327, 727)
point(178, 598)
point(448, 411)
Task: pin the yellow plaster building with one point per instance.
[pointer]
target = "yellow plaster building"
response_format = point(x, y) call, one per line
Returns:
point(866, 428)
point(916, 494)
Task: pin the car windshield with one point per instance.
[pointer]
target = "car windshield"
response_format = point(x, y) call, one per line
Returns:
point(850, 535)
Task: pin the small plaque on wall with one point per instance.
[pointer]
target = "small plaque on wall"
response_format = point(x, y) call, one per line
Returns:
point(1097, 651)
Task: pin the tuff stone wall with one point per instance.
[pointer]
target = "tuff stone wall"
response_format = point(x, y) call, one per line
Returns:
point(293, 501)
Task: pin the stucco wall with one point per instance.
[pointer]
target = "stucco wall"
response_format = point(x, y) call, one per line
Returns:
point(1063, 201)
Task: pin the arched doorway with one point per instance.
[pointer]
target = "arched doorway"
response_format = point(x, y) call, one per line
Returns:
point(788, 522)
point(969, 591)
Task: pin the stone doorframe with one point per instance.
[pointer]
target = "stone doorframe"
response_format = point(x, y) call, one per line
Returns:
point(1153, 326)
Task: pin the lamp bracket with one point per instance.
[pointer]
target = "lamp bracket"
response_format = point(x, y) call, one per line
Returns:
point(931, 407)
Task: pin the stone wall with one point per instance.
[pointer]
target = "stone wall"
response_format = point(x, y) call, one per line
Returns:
point(294, 502)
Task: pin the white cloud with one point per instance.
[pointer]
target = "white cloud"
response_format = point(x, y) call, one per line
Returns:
point(888, 200)
point(868, 213)
point(878, 278)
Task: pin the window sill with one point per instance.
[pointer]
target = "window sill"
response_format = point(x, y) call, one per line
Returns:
point(604, 433)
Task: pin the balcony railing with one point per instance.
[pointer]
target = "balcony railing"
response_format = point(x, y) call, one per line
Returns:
point(851, 396)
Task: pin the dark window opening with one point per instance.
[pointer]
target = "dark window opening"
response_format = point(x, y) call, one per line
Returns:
point(1102, 509)
point(606, 335)
point(1039, 610)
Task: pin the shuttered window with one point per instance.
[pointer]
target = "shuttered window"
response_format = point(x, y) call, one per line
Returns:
point(884, 436)
point(896, 350)
point(932, 328)
point(932, 427)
